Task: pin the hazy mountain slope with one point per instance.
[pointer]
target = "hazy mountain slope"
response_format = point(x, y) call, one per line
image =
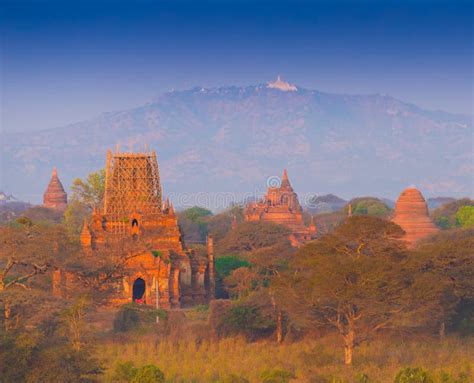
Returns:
point(233, 138)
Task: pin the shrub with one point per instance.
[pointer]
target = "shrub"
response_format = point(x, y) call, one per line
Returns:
point(126, 319)
point(202, 308)
point(124, 372)
point(224, 267)
point(233, 379)
point(148, 374)
point(413, 375)
point(448, 378)
point(247, 320)
point(132, 316)
point(276, 376)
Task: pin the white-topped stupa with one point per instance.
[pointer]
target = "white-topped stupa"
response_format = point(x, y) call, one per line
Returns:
point(282, 85)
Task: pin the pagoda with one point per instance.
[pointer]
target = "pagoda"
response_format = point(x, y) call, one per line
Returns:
point(55, 197)
point(280, 205)
point(411, 214)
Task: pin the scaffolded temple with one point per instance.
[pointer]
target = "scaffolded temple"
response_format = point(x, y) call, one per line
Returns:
point(133, 208)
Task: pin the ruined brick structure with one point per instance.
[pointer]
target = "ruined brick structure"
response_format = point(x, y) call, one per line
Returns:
point(411, 214)
point(55, 197)
point(280, 205)
point(133, 208)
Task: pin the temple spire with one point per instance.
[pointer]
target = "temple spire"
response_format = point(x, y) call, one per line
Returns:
point(285, 182)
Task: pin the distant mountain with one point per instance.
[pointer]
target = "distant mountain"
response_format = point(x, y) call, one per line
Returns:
point(434, 203)
point(327, 203)
point(6, 198)
point(232, 139)
point(10, 207)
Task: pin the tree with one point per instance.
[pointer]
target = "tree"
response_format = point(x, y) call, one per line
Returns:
point(27, 253)
point(465, 216)
point(447, 261)
point(193, 223)
point(74, 217)
point(353, 280)
point(86, 195)
point(369, 206)
point(267, 247)
point(240, 282)
point(445, 215)
point(251, 236)
point(73, 319)
point(91, 191)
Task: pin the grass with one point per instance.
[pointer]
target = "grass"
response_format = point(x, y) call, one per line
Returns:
point(205, 361)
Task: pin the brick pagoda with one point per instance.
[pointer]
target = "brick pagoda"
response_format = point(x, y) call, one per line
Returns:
point(55, 197)
point(280, 205)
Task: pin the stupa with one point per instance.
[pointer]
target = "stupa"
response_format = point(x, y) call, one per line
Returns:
point(411, 214)
point(282, 85)
point(55, 197)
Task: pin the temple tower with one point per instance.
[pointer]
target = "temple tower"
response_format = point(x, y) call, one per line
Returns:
point(133, 210)
point(55, 197)
point(280, 205)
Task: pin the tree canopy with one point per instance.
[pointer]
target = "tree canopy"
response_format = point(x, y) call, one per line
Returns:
point(354, 279)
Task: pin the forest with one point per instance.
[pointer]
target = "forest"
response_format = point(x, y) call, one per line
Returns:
point(354, 305)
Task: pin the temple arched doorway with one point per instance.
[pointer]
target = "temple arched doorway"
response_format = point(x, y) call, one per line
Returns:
point(138, 291)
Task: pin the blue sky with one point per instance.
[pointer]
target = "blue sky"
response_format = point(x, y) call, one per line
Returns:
point(68, 61)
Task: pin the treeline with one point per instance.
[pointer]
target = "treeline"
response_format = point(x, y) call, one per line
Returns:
point(360, 280)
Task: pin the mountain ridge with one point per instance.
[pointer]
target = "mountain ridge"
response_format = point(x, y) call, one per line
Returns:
point(232, 138)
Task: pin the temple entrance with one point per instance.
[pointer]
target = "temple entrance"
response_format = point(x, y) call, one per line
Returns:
point(139, 291)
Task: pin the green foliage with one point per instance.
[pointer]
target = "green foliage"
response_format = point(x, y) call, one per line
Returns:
point(24, 221)
point(362, 378)
point(91, 191)
point(201, 308)
point(193, 223)
point(247, 320)
point(132, 317)
point(74, 217)
point(148, 374)
point(126, 372)
point(413, 375)
point(159, 254)
point(449, 378)
point(369, 206)
point(225, 265)
point(196, 213)
point(445, 216)
point(465, 216)
point(276, 376)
